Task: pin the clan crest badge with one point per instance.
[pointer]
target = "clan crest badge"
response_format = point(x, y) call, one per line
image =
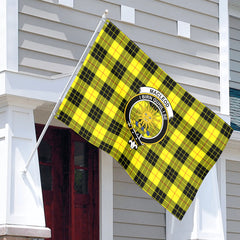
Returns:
point(147, 115)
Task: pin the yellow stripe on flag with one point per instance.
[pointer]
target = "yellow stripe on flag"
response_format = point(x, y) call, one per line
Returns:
point(125, 104)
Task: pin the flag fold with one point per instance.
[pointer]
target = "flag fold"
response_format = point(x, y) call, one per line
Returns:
point(125, 104)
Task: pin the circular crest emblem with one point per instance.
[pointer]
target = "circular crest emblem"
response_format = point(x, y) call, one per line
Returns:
point(147, 116)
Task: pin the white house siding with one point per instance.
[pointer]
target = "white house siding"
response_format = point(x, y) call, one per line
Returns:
point(136, 215)
point(52, 38)
point(234, 31)
point(233, 167)
point(233, 199)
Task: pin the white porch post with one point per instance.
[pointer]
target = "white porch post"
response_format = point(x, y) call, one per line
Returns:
point(21, 204)
point(204, 219)
point(106, 196)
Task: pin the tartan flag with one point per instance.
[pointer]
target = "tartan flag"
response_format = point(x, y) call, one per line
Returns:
point(123, 103)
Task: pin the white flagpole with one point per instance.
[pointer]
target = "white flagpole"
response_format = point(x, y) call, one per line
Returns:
point(103, 19)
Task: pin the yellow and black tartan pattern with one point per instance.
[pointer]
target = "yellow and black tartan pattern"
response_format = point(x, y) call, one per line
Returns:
point(170, 171)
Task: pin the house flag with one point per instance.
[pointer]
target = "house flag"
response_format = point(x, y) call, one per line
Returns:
point(123, 103)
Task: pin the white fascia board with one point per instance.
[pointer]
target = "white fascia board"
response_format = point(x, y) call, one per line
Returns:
point(32, 86)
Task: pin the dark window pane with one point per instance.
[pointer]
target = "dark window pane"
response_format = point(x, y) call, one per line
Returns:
point(80, 158)
point(44, 152)
point(81, 181)
point(46, 177)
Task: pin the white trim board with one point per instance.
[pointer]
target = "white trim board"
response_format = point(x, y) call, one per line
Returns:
point(106, 196)
point(9, 35)
point(224, 56)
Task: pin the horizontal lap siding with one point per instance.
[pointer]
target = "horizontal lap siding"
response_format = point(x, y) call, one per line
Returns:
point(194, 64)
point(136, 215)
point(234, 31)
point(197, 58)
point(233, 200)
point(235, 52)
point(51, 36)
point(66, 28)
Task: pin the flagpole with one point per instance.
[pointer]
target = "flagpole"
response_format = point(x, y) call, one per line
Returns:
point(53, 113)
